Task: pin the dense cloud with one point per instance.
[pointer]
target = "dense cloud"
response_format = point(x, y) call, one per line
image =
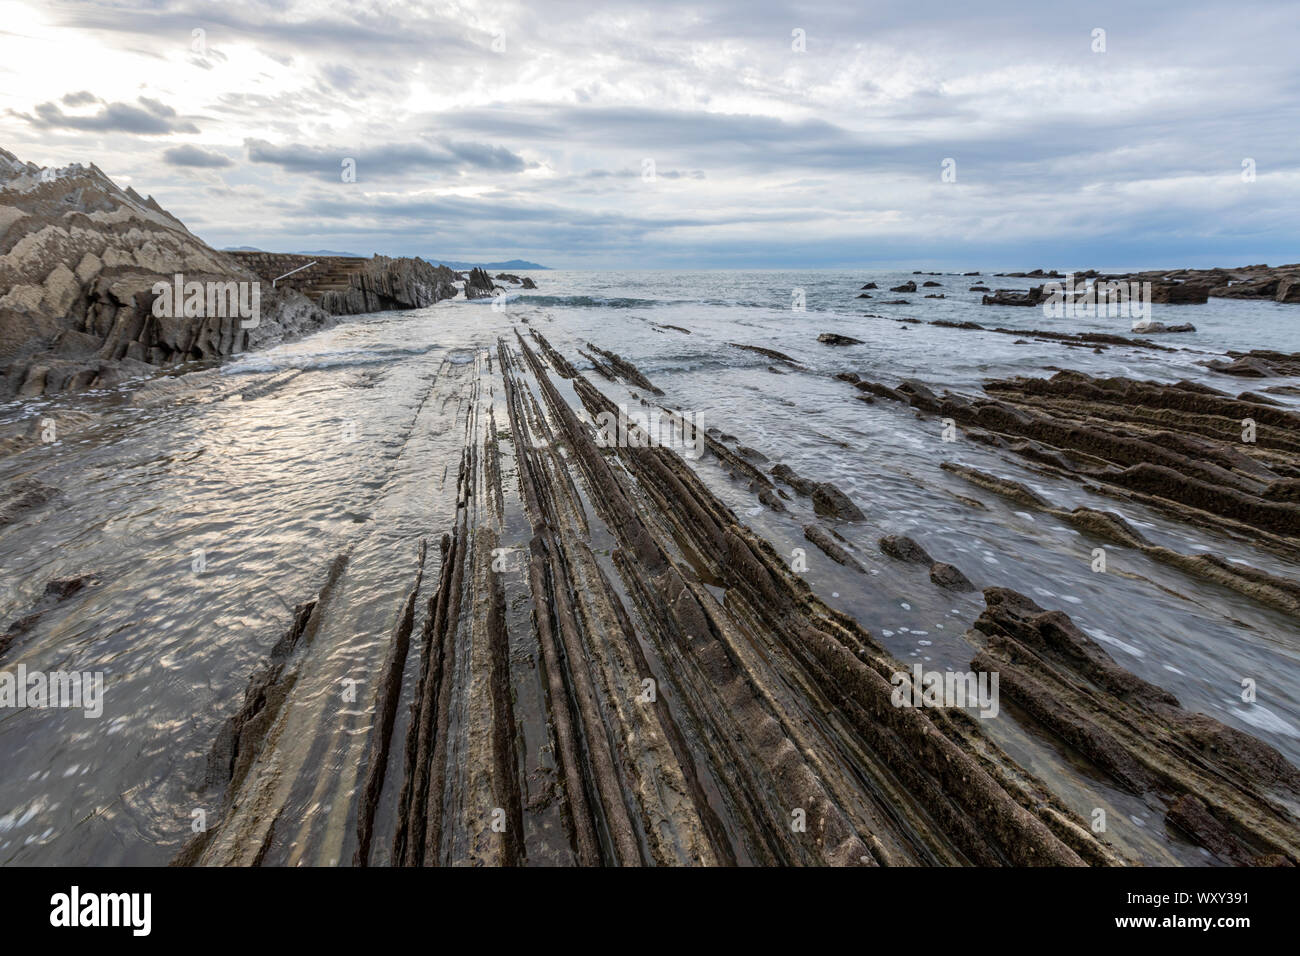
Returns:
point(717, 134)
point(150, 118)
point(196, 158)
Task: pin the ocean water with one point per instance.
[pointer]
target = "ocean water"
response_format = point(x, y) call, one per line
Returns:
point(262, 470)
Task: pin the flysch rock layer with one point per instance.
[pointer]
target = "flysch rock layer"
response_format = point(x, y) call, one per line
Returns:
point(79, 258)
point(671, 724)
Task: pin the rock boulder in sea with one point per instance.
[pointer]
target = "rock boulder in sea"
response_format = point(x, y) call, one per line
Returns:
point(829, 500)
point(1179, 293)
point(479, 285)
point(947, 576)
point(831, 338)
point(1014, 297)
point(905, 287)
point(1150, 328)
point(903, 548)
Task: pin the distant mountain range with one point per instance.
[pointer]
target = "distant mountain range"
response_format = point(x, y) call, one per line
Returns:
point(449, 263)
point(509, 264)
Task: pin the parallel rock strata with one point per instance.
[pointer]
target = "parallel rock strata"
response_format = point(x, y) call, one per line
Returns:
point(78, 260)
point(1212, 458)
point(1228, 790)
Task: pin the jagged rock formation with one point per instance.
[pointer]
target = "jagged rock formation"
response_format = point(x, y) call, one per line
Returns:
point(714, 766)
point(1210, 458)
point(1228, 791)
point(479, 285)
point(383, 283)
point(1191, 286)
point(78, 260)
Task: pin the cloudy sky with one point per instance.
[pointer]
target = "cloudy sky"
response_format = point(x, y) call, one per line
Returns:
point(777, 135)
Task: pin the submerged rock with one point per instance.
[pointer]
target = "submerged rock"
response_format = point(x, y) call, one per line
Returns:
point(1151, 328)
point(947, 576)
point(832, 338)
point(829, 500)
point(903, 548)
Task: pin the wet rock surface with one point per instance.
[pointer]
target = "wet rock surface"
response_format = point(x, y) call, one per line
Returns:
point(706, 770)
point(1204, 455)
point(505, 716)
point(1225, 789)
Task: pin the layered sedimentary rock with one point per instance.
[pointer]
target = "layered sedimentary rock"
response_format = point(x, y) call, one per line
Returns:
point(1224, 461)
point(665, 724)
point(383, 283)
point(1226, 790)
point(79, 258)
point(479, 285)
point(607, 667)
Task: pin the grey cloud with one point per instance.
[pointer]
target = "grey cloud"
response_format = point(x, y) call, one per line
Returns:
point(83, 98)
point(195, 158)
point(387, 160)
point(151, 118)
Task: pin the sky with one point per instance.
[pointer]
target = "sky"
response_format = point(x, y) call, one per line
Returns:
point(616, 135)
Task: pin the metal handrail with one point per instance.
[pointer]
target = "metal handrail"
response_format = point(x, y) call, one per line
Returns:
point(292, 271)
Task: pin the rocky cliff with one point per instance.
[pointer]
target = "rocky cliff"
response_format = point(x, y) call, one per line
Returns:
point(79, 260)
point(384, 283)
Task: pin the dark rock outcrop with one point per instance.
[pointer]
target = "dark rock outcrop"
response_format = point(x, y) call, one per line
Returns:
point(1179, 293)
point(829, 500)
point(905, 287)
point(832, 338)
point(1014, 297)
point(385, 284)
point(479, 285)
point(949, 577)
point(903, 548)
point(1219, 782)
